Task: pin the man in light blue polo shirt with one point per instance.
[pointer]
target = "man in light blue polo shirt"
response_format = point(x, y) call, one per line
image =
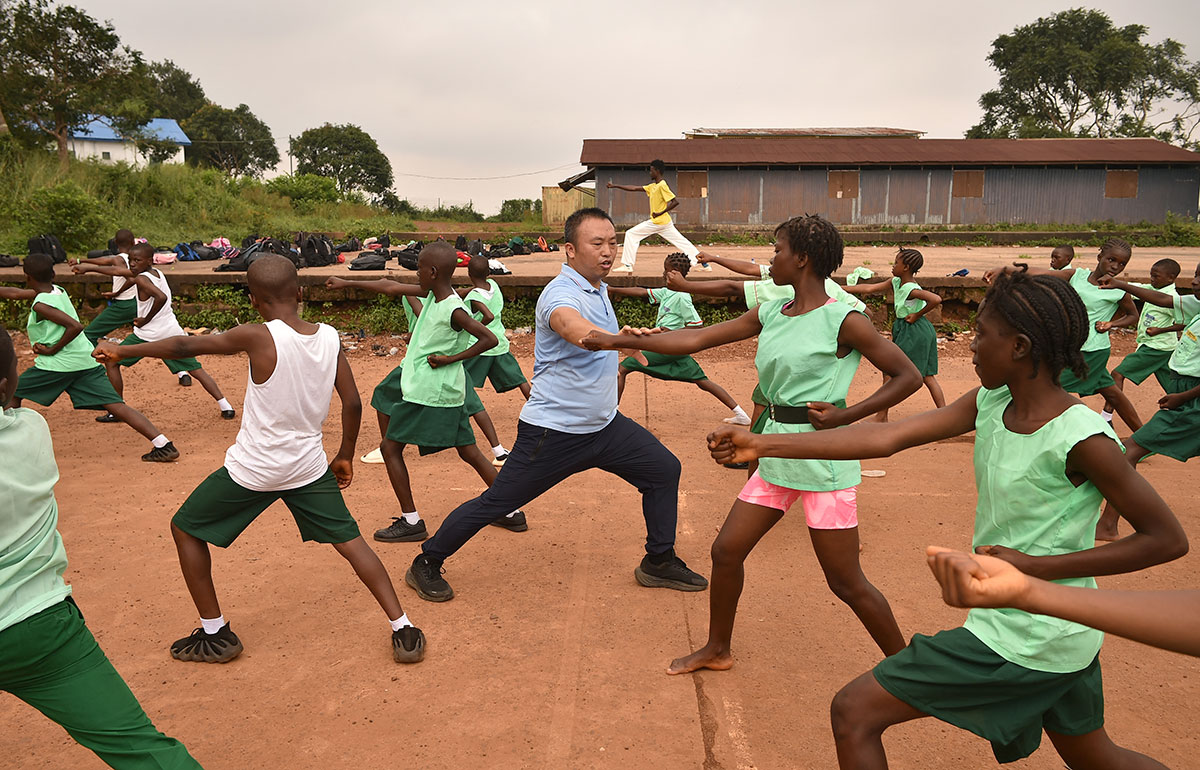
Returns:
point(571, 424)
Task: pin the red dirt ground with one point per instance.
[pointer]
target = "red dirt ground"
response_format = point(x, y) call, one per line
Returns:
point(550, 656)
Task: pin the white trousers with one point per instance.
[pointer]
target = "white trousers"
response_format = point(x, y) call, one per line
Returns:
point(639, 232)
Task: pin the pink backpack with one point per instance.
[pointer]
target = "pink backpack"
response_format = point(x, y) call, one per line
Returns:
point(164, 257)
point(220, 243)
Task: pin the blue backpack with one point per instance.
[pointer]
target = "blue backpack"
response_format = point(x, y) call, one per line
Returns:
point(185, 253)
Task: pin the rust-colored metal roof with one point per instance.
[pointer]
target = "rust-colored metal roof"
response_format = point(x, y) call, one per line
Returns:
point(882, 151)
point(721, 133)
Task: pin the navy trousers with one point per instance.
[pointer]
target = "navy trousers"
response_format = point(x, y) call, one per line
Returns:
point(541, 458)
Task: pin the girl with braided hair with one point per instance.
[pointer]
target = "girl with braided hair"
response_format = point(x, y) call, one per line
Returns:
point(809, 347)
point(1043, 461)
point(911, 331)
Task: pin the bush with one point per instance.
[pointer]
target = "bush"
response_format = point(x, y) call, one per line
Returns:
point(66, 210)
point(304, 187)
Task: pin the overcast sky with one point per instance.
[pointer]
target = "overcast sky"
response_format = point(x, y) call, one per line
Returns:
point(468, 88)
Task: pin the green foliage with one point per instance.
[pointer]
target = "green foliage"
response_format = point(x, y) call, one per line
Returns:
point(234, 141)
point(174, 93)
point(304, 187)
point(346, 154)
point(66, 210)
point(517, 209)
point(217, 307)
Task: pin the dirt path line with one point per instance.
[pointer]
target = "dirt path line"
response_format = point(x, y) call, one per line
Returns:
point(566, 687)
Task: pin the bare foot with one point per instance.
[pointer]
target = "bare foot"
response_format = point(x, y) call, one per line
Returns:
point(1107, 534)
point(701, 658)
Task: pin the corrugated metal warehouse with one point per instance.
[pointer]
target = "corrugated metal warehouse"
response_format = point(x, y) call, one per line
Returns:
point(880, 176)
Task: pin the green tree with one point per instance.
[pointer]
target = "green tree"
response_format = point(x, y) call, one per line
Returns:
point(515, 209)
point(346, 154)
point(173, 92)
point(234, 141)
point(1075, 74)
point(58, 65)
point(305, 187)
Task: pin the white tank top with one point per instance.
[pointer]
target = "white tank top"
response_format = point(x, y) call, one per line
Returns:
point(131, 292)
point(164, 324)
point(279, 445)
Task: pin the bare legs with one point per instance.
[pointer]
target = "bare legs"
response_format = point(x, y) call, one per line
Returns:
point(722, 395)
point(1122, 406)
point(209, 384)
point(935, 392)
point(134, 419)
point(484, 421)
point(837, 552)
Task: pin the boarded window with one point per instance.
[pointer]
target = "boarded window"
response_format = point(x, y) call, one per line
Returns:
point(1121, 183)
point(968, 184)
point(692, 184)
point(843, 184)
point(106, 155)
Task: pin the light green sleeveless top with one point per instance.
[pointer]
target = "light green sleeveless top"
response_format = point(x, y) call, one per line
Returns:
point(1101, 305)
point(433, 334)
point(905, 307)
point(410, 315)
point(797, 362)
point(76, 355)
point(1027, 502)
point(495, 306)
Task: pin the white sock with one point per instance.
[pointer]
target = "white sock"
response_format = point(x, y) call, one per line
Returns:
point(510, 515)
point(224, 405)
point(159, 441)
point(739, 412)
point(181, 375)
point(214, 625)
point(410, 517)
point(1106, 415)
point(499, 450)
point(400, 622)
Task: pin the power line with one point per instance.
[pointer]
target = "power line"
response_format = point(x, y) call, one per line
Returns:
point(486, 178)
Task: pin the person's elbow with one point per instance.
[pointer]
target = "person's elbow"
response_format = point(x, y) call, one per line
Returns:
point(1176, 546)
point(488, 340)
point(909, 379)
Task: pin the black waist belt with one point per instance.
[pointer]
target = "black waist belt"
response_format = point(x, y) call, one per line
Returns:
point(794, 415)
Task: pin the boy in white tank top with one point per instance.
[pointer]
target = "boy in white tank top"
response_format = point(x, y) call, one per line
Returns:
point(155, 321)
point(278, 455)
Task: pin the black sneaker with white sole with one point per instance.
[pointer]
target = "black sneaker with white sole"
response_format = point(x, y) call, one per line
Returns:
point(167, 453)
point(228, 414)
point(400, 531)
point(408, 645)
point(514, 523)
point(425, 577)
point(203, 647)
point(668, 571)
point(185, 381)
point(108, 417)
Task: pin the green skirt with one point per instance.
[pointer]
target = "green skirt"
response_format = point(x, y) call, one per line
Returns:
point(388, 395)
point(1097, 377)
point(664, 367)
point(431, 428)
point(919, 342)
point(503, 370)
point(1144, 362)
point(1174, 432)
point(175, 365)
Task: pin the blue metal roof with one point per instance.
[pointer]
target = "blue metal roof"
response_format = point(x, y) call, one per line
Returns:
point(159, 128)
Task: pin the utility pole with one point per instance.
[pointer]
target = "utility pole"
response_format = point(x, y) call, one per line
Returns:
point(291, 172)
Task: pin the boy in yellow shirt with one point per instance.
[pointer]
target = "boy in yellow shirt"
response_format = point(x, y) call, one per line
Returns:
point(662, 201)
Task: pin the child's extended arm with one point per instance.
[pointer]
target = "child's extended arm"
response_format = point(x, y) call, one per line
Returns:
point(1169, 620)
point(626, 187)
point(721, 288)
point(157, 297)
point(742, 266)
point(378, 286)
point(342, 464)
point(461, 320)
point(854, 442)
point(932, 300)
point(16, 292)
point(628, 291)
point(71, 328)
point(678, 342)
point(118, 270)
point(113, 260)
point(254, 339)
point(1154, 331)
point(1152, 296)
point(1064, 274)
point(866, 289)
point(1157, 535)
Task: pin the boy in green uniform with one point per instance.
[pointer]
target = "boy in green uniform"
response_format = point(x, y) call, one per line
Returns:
point(48, 657)
point(675, 311)
point(424, 400)
point(1157, 334)
point(64, 358)
point(1043, 460)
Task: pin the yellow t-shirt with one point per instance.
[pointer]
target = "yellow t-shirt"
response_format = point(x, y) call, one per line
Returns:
point(660, 195)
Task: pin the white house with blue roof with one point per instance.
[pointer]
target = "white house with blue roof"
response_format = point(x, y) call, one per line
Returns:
point(99, 141)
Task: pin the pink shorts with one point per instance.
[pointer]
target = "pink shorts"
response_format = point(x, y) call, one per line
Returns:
point(822, 510)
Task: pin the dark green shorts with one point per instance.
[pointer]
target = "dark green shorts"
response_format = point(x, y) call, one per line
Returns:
point(115, 315)
point(431, 428)
point(919, 342)
point(88, 388)
point(1097, 378)
point(958, 679)
point(176, 365)
point(220, 509)
point(663, 367)
point(1174, 432)
point(503, 370)
point(1144, 362)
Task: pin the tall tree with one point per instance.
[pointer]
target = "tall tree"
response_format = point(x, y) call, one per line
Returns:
point(1076, 74)
point(346, 154)
point(173, 92)
point(58, 65)
point(235, 141)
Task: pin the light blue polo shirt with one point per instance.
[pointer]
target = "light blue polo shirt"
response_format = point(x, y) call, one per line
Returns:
point(573, 390)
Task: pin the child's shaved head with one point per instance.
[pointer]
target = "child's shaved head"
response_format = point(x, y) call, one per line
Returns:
point(123, 239)
point(39, 267)
point(273, 277)
point(478, 267)
point(141, 249)
point(440, 255)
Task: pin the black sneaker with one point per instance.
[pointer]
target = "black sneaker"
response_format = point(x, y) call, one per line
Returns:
point(408, 645)
point(514, 523)
point(185, 381)
point(167, 453)
point(108, 417)
point(425, 577)
point(201, 647)
point(499, 460)
point(737, 466)
point(668, 571)
point(228, 414)
point(400, 531)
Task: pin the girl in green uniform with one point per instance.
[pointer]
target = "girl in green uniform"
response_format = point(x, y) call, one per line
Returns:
point(1043, 460)
point(911, 331)
point(809, 348)
point(675, 311)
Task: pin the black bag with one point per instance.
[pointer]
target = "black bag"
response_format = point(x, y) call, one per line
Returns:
point(474, 248)
point(408, 258)
point(308, 251)
point(249, 240)
point(7, 261)
point(385, 240)
point(206, 252)
point(101, 253)
point(48, 245)
point(460, 243)
point(241, 263)
point(369, 261)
